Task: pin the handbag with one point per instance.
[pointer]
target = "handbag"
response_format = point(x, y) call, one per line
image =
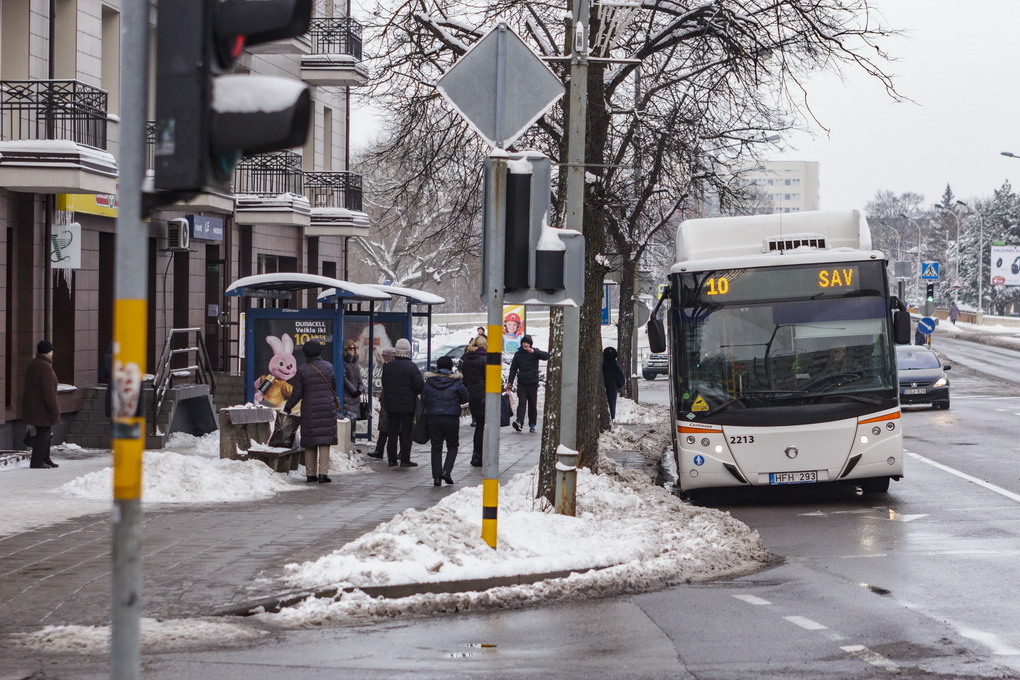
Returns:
point(285, 430)
point(506, 410)
point(420, 431)
point(363, 410)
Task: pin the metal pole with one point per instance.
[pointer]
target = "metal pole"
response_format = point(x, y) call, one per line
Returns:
point(574, 218)
point(981, 263)
point(129, 333)
point(495, 237)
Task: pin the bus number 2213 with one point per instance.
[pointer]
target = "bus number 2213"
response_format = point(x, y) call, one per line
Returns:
point(742, 439)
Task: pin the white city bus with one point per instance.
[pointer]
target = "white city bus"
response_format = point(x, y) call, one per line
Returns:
point(781, 343)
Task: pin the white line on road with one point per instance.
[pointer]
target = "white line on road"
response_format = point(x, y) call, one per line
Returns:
point(874, 658)
point(806, 624)
point(963, 475)
point(751, 599)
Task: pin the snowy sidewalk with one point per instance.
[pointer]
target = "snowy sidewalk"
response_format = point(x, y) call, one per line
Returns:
point(196, 557)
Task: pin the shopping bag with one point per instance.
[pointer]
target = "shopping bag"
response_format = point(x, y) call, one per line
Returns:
point(285, 430)
point(363, 410)
point(420, 431)
point(506, 410)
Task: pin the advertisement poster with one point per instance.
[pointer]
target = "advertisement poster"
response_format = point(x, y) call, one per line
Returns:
point(277, 352)
point(513, 329)
point(1005, 269)
point(387, 332)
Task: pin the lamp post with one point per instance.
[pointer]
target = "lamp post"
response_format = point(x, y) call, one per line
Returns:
point(896, 233)
point(920, 243)
point(981, 254)
point(957, 218)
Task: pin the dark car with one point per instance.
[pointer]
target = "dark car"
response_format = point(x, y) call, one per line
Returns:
point(922, 377)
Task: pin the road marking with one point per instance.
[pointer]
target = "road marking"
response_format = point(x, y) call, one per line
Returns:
point(751, 599)
point(806, 624)
point(963, 475)
point(874, 658)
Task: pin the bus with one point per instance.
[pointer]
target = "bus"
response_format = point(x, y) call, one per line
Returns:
point(781, 340)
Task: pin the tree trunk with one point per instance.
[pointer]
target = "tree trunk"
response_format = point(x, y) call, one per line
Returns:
point(551, 414)
point(626, 327)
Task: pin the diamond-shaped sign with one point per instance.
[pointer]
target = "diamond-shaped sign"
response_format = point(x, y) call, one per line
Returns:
point(500, 86)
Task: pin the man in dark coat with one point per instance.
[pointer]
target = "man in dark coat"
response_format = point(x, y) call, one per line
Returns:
point(473, 368)
point(39, 403)
point(313, 387)
point(524, 367)
point(442, 398)
point(612, 378)
point(402, 382)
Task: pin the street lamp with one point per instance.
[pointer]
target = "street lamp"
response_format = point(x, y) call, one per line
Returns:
point(896, 233)
point(955, 217)
point(981, 251)
point(920, 244)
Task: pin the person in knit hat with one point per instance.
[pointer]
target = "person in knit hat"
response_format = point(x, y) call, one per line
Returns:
point(39, 403)
point(402, 382)
point(524, 367)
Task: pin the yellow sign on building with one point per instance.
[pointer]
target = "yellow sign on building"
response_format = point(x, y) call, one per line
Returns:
point(91, 204)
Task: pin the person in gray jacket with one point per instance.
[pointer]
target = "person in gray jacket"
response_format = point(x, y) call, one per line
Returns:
point(354, 384)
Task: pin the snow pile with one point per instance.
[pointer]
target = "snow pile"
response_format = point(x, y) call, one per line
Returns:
point(155, 634)
point(634, 535)
point(629, 412)
point(169, 477)
point(207, 445)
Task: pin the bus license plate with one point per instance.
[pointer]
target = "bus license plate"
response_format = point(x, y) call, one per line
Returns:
point(914, 390)
point(809, 477)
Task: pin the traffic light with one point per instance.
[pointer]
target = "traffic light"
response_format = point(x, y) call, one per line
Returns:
point(929, 296)
point(207, 119)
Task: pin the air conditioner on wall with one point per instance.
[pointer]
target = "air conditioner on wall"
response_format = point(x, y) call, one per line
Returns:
point(178, 235)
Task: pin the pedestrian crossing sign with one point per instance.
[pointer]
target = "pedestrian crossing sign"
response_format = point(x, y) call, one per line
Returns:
point(929, 270)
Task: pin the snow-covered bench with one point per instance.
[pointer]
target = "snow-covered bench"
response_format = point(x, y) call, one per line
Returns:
point(244, 433)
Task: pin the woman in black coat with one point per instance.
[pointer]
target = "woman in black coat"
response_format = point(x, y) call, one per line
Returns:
point(612, 377)
point(313, 387)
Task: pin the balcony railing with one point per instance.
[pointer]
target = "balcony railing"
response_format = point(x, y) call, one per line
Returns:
point(336, 36)
point(53, 109)
point(333, 190)
point(269, 174)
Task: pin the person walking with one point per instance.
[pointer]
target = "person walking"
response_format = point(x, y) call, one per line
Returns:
point(442, 397)
point(524, 367)
point(313, 387)
point(402, 382)
point(473, 369)
point(39, 403)
point(354, 385)
point(954, 313)
point(612, 378)
point(380, 446)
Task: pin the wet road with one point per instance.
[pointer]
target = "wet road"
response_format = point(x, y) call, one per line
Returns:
point(916, 583)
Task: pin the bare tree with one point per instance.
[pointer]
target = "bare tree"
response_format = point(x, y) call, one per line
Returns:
point(706, 82)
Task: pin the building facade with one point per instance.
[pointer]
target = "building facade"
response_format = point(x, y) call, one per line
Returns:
point(59, 144)
point(785, 186)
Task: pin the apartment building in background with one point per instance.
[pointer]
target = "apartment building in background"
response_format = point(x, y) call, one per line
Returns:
point(291, 211)
point(785, 186)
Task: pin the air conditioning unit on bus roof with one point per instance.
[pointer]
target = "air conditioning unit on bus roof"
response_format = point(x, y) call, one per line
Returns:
point(719, 237)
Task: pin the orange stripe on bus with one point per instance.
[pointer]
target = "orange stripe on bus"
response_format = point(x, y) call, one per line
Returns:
point(888, 416)
point(694, 430)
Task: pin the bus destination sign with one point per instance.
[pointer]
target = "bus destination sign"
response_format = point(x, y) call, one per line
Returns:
point(751, 285)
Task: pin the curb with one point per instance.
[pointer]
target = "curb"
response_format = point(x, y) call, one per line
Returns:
point(274, 603)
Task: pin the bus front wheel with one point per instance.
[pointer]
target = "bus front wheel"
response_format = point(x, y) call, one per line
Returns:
point(875, 485)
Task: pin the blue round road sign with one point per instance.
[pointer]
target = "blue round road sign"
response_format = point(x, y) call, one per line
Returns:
point(926, 325)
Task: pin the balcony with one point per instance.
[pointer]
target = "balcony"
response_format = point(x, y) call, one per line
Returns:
point(335, 57)
point(335, 198)
point(268, 190)
point(53, 137)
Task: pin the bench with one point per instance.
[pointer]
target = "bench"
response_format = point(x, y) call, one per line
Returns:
point(244, 433)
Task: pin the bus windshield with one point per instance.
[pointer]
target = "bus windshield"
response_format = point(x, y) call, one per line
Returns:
point(750, 352)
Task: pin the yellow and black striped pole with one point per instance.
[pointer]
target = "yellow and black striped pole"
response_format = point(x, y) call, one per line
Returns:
point(495, 231)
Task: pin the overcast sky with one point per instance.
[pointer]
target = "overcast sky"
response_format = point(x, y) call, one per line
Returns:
point(959, 63)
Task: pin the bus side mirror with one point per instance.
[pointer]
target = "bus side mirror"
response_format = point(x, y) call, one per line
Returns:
point(657, 336)
point(901, 327)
